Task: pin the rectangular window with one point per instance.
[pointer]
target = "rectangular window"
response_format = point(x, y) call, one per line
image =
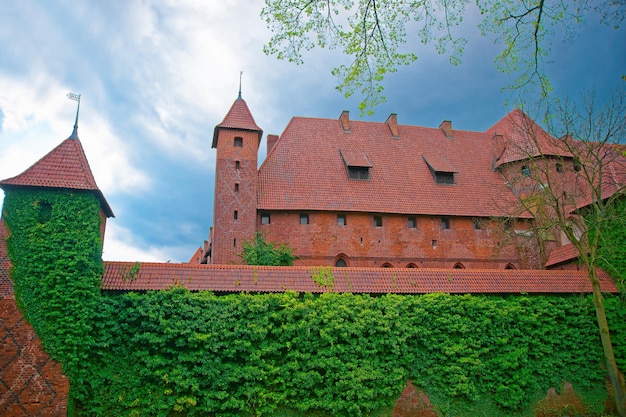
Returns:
point(412, 223)
point(477, 225)
point(378, 221)
point(236, 188)
point(237, 165)
point(265, 218)
point(559, 168)
point(304, 218)
point(444, 177)
point(445, 223)
point(236, 215)
point(238, 142)
point(359, 173)
point(341, 219)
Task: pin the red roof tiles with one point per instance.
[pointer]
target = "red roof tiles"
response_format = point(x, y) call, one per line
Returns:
point(237, 278)
point(65, 166)
point(562, 254)
point(306, 171)
point(238, 117)
point(523, 138)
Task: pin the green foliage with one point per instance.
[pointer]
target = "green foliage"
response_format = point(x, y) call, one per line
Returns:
point(612, 248)
point(182, 353)
point(323, 276)
point(258, 251)
point(373, 34)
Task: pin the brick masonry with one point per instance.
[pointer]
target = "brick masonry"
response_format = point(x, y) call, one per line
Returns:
point(31, 383)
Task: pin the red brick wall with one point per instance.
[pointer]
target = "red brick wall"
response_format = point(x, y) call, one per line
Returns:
point(31, 384)
point(228, 232)
point(427, 245)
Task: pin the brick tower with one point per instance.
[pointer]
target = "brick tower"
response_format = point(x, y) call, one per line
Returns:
point(237, 140)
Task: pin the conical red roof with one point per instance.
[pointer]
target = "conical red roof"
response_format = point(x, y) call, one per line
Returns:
point(238, 117)
point(65, 166)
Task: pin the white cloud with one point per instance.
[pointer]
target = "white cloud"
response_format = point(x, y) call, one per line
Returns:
point(120, 244)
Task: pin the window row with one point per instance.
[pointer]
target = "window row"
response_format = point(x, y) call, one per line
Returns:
point(377, 220)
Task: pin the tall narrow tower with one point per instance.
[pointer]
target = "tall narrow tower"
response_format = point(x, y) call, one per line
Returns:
point(237, 141)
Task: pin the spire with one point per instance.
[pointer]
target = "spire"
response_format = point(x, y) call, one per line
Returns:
point(75, 97)
point(240, 74)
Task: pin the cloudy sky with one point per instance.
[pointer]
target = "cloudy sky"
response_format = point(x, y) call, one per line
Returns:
point(157, 76)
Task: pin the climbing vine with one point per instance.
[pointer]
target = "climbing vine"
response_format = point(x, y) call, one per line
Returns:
point(182, 353)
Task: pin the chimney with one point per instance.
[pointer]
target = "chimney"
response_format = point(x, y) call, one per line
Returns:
point(446, 128)
point(392, 122)
point(345, 121)
point(271, 141)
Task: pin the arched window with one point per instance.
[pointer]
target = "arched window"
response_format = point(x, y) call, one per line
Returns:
point(341, 261)
point(458, 265)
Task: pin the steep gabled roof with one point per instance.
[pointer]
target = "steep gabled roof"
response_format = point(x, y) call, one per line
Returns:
point(65, 166)
point(523, 139)
point(239, 118)
point(306, 170)
point(243, 278)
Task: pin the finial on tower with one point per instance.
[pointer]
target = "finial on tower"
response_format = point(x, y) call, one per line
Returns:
point(75, 97)
point(240, 74)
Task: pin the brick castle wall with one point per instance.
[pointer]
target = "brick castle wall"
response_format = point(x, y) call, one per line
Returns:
point(31, 383)
point(396, 244)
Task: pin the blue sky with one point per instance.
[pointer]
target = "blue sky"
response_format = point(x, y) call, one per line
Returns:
point(157, 76)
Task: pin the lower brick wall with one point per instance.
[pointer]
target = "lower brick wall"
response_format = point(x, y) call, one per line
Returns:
point(31, 383)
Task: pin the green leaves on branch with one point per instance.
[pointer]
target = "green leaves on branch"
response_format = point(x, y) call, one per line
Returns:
point(260, 252)
point(380, 36)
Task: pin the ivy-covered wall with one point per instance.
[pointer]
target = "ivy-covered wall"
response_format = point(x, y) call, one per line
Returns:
point(181, 353)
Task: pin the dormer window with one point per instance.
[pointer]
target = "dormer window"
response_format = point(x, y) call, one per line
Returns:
point(442, 171)
point(359, 173)
point(357, 164)
point(444, 177)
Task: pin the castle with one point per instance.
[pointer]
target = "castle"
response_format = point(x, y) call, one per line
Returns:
point(362, 194)
point(359, 196)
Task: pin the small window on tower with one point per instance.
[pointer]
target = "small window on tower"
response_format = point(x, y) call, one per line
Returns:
point(265, 218)
point(237, 165)
point(412, 223)
point(341, 219)
point(559, 168)
point(236, 188)
point(477, 225)
point(445, 223)
point(235, 215)
point(238, 142)
point(304, 218)
point(525, 171)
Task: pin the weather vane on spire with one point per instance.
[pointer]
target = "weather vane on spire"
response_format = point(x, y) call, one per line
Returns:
point(75, 97)
point(240, 74)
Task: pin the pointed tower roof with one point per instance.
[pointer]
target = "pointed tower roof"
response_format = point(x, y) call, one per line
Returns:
point(524, 139)
point(237, 118)
point(65, 166)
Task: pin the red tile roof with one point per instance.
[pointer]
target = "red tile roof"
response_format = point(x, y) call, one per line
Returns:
point(523, 138)
point(562, 254)
point(65, 166)
point(305, 170)
point(238, 117)
point(237, 278)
